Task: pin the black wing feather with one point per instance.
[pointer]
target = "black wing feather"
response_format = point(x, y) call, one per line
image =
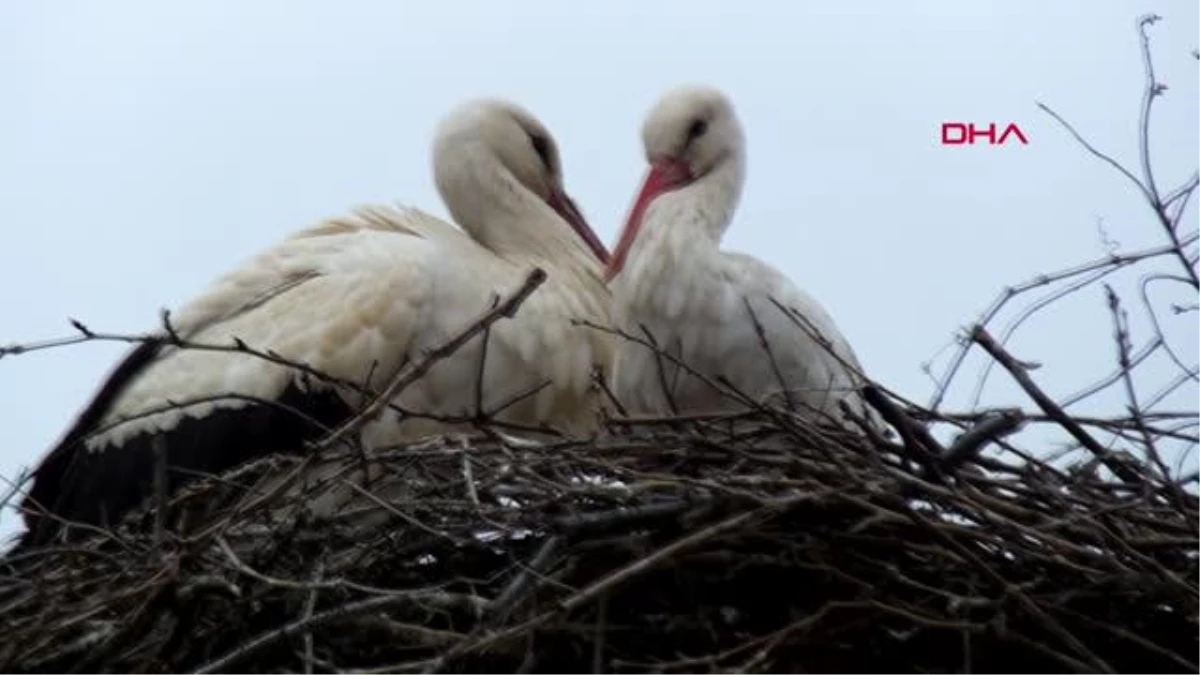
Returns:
point(98, 487)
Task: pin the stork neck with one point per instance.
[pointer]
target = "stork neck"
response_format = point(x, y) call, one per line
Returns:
point(510, 220)
point(686, 225)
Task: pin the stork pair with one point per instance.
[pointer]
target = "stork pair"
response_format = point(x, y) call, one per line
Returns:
point(357, 298)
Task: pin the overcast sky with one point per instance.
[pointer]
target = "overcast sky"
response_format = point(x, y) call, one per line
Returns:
point(146, 147)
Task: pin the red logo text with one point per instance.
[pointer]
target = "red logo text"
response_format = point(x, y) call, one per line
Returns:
point(966, 133)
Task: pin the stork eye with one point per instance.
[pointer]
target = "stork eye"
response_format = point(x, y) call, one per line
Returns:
point(698, 128)
point(542, 147)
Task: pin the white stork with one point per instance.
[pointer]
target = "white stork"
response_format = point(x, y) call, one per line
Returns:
point(702, 305)
point(355, 298)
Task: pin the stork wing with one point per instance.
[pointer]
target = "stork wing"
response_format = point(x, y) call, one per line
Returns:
point(341, 298)
point(813, 356)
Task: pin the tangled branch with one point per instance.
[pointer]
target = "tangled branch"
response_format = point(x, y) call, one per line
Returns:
point(1130, 370)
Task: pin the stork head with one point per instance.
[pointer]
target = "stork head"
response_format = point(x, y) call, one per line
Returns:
point(500, 132)
point(688, 134)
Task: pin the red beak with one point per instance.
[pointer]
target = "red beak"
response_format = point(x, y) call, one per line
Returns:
point(566, 208)
point(665, 175)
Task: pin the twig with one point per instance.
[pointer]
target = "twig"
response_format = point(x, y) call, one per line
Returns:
point(980, 335)
point(159, 446)
point(296, 628)
point(763, 342)
point(511, 594)
point(601, 631)
point(310, 605)
point(924, 448)
point(1121, 339)
point(971, 442)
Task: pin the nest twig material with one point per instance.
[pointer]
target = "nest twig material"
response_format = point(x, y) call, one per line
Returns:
point(752, 543)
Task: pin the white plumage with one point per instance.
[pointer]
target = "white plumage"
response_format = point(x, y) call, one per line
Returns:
point(701, 304)
point(355, 298)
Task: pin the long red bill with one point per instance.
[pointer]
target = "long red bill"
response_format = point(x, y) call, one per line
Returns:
point(664, 176)
point(566, 208)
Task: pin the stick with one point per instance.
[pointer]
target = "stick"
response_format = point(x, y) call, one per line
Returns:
point(980, 336)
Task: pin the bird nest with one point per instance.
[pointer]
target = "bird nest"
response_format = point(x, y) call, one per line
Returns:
point(749, 542)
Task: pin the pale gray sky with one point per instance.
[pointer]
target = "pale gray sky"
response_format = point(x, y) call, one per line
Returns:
point(145, 147)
